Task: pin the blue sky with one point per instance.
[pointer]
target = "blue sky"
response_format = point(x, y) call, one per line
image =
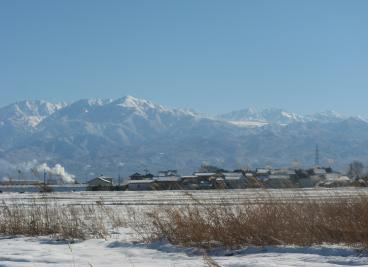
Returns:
point(213, 56)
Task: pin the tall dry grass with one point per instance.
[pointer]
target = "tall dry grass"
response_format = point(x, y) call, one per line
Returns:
point(270, 222)
point(59, 221)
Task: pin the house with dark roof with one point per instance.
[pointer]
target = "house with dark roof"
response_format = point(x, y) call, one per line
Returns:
point(138, 176)
point(100, 183)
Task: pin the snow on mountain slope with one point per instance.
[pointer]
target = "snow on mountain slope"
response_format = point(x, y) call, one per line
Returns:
point(27, 113)
point(327, 116)
point(91, 137)
point(271, 115)
point(279, 116)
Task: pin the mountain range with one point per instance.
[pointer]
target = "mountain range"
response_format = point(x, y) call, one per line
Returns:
point(93, 137)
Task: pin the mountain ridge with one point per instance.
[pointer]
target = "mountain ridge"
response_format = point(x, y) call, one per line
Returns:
point(89, 137)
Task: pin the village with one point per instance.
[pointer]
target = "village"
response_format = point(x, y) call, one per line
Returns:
point(222, 179)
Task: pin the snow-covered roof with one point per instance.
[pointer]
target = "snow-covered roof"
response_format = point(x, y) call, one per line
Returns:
point(234, 178)
point(262, 171)
point(332, 176)
point(337, 178)
point(140, 181)
point(233, 175)
point(102, 178)
point(283, 171)
point(319, 171)
point(204, 173)
point(278, 176)
point(167, 179)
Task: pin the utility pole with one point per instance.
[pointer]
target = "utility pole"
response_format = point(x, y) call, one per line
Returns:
point(316, 159)
point(44, 177)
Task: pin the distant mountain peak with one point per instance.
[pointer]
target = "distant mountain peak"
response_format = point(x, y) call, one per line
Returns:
point(28, 113)
point(136, 103)
point(280, 116)
point(269, 115)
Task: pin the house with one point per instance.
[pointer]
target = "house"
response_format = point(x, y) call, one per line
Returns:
point(309, 181)
point(138, 176)
point(205, 176)
point(168, 173)
point(205, 185)
point(279, 181)
point(234, 180)
point(190, 182)
point(140, 185)
point(289, 172)
point(335, 181)
point(167, 183)
point(319, 171)
point(262, 174)
point(100, 183)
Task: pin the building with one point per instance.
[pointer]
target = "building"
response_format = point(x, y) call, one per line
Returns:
point(309, 181)
point(138, 176)
point(279, 181)
point(205, 176)
point(262, 174)
point(167, 183)
point(140, 185)
point(319, 171)
point(100, 183)
point(234, 180)
point(21, 182)
point(168, 173)
point(335, 180)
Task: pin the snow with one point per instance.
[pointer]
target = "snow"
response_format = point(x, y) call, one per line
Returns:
point(248, 123)
point(183, 197)
point(123, 249)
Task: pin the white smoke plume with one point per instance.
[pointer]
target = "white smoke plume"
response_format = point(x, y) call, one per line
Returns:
point(57, 170)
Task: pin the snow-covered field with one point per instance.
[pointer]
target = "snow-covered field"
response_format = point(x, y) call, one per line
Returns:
point(123, 248)
point(146, 198)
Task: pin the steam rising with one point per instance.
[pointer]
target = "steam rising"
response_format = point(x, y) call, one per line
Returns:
point(57, 170)
point(32, 168)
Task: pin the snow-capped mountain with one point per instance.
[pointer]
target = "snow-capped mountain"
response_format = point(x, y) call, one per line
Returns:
point(271, 115)
point(27, 113)
point(279, 116)
point(327, 116)
point(20, 119)
point(90, 137)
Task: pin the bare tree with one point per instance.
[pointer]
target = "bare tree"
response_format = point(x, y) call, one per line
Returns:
point(356, 170)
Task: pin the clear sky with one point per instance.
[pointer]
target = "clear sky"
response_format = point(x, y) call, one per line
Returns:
point(213, 56)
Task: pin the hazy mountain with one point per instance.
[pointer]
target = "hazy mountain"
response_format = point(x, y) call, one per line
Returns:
point(91, 137)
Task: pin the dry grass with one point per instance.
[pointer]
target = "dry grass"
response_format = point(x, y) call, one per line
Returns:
point(61, 222)
point(272, 222)
point(269, 221)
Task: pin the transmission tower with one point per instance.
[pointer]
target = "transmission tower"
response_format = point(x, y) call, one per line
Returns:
point(316, 159)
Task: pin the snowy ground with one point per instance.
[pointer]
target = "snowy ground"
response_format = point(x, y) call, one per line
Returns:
point(121, 250)
point(122, 247)
point(183, 197)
